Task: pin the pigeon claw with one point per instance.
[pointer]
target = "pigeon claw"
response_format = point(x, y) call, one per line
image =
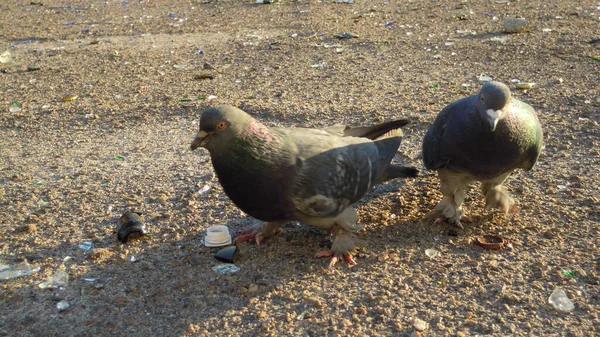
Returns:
point(242, 238)
point(256, 235)
point(334, 259)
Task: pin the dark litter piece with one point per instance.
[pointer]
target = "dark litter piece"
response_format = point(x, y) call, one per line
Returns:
point(346, 35)
point(131, 226)
point(491, 242)
point(204, 77)
point(452, 232)
point(33, 68)
point(226, 254)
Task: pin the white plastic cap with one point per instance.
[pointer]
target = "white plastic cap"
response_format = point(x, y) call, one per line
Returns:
point(216, 236)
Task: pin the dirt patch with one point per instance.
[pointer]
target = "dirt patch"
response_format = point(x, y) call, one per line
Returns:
point(70, 168)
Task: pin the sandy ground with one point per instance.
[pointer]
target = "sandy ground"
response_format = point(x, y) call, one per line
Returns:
point(70, 168)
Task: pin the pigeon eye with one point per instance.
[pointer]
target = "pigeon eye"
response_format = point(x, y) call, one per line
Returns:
point(482, 98)
point(222, 125)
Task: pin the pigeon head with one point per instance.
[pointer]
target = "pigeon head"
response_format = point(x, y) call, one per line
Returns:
point(491, 102)
point(220, 125)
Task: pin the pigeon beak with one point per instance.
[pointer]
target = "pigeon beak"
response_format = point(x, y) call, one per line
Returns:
point(493, 117)
point(199, 140)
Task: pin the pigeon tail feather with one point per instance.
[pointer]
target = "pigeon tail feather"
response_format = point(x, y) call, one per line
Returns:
point(397, 171)
point(375, 131)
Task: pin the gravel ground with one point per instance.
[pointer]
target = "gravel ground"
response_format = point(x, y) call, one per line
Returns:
point(143, 70)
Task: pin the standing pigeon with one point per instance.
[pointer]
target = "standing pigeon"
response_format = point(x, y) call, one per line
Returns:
point(484, 138)
point(279, 175)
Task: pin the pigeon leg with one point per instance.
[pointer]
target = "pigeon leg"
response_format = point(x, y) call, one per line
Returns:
point(496, 196)
point(344, 241)
point(453, 186)
point(263, 231)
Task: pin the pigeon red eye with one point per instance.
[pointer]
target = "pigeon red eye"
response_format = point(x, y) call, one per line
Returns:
point(221, 125)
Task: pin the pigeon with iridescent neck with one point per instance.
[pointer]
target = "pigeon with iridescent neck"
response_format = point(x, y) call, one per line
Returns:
point(483, 138)
point(279, 175)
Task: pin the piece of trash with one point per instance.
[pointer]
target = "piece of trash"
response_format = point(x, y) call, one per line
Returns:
point(70, 98)
point(62, 305)
point(515, 25)
point(204, 190)
point(217, 236)
point(59, 279)
point(524, 85)
point(317, 66)
point(491, 242)
point(33, 68)
point(85, 245)
point(449, 43)
point(435, 85)
point(226, 268)
point(172, 15)
point(484, 78)
point(500, 39)
point(132, 258)
point(89, 279)
point(583, 119)
point(204, 77)
point(389, 24)
point(561, 187)
point(587, 101)
point(264, 2)
point(20, 269)
point(345, 1)
point(15, 107)
point(131, 226)
point(302, 315)
point(118, 158)
point(546, 30)
point(559, 17)
point(180, 66)
point(6, 57)
point(568, 273)
point(560, 301)
point(226, 254)
point(437, 56)
point(200, 52)
point(431, 253)
point(346, 35)
point(466, 31)
point(210, 97)
point(69, 23)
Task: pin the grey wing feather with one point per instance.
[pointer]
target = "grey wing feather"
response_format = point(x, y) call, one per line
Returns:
point(333, 174)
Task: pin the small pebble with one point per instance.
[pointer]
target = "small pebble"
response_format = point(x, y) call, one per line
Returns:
point(62, 305)
point(515, 25)
point(431, 253)
point(30, 228)
point(420, 325)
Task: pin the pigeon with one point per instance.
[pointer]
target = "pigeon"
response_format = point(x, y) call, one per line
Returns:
point(281, 175)
point(483, 138)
